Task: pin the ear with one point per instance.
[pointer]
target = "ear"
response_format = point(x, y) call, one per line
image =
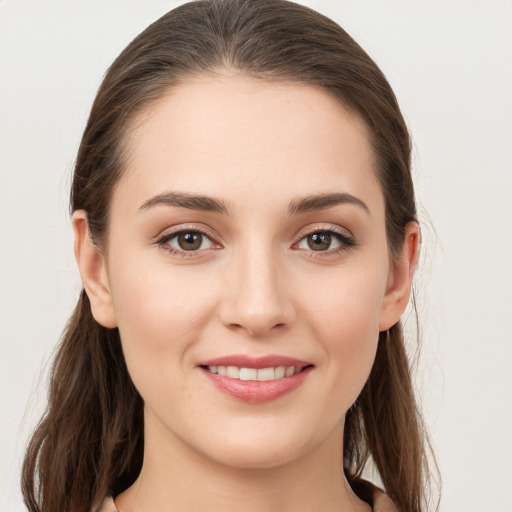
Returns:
point(400, 278)
point(92, 265)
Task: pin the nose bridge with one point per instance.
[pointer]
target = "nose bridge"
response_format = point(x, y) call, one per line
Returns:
point(254, 298)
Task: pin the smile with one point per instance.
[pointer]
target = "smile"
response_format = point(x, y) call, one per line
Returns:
point(256, 379)
point(254, 374)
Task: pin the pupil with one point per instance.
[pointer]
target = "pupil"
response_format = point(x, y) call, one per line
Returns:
point(190, 241)
point(319, 241)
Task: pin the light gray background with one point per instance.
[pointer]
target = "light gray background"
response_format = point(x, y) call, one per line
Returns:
point(451, 67)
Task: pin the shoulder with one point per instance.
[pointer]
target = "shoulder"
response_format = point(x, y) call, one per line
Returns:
point(382, 502)
point(373, 495)
point(108, 505)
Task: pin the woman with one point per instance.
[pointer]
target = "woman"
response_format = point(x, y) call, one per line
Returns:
point(245, 229)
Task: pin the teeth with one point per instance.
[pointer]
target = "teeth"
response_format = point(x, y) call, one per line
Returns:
point(232, 372)
point(248, 374)
point(290, 370)
point(262, 374)
point(266, 374)
point(279, 372)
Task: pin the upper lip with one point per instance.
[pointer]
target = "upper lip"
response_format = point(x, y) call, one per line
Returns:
point(246, 361)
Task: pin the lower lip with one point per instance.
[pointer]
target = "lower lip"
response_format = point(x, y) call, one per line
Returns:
point(256, 392)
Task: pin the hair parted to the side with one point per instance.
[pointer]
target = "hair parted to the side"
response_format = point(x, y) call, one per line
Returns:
point(90, 441)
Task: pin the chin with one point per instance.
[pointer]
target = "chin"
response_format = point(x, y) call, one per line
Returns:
point(257, 452)
point(256, 459)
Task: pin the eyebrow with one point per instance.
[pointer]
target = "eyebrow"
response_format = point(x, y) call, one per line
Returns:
point(190, 201)
point(315, 202)
point(324, 201)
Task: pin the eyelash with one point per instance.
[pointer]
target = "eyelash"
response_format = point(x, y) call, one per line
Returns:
point(163, 241)
point(346, 241)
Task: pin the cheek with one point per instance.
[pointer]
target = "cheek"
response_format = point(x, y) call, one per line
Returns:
point(346, 303)
point(160, 314)
point(346, 321)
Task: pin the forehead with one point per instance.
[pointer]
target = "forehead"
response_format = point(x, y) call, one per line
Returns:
point(234, 137)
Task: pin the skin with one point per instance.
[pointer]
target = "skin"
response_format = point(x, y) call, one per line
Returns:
point(256, 288)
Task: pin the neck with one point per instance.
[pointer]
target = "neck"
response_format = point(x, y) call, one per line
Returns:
point(175, 477)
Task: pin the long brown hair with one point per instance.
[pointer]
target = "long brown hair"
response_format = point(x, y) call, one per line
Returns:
point(90, 440)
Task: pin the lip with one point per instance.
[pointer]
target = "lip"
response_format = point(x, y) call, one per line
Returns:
point(246, 361)
point(256, 392)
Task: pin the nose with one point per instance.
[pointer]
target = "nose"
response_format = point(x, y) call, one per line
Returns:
point(256, 298)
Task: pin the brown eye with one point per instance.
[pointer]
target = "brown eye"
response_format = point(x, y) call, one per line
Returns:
point(329, 241)
point(186, 241)
point(190, 240)
point(320, 241)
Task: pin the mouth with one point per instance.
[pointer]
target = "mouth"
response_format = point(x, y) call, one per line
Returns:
point(255, 374)
point(256, 379)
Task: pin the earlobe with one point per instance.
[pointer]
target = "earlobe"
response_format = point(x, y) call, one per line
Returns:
point(400, 278)
point(92, 266)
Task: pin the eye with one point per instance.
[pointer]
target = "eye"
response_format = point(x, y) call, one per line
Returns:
point(186, 241)
point(326, 240)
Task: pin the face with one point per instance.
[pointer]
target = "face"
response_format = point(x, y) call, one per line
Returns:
point(248, 232)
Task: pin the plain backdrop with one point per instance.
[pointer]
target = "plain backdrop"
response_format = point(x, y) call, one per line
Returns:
point(450, 64)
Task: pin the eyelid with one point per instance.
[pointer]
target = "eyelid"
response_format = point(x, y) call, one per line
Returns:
point(169, 233)
point(200, 228)
point(315, 228)
point(344, 236)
